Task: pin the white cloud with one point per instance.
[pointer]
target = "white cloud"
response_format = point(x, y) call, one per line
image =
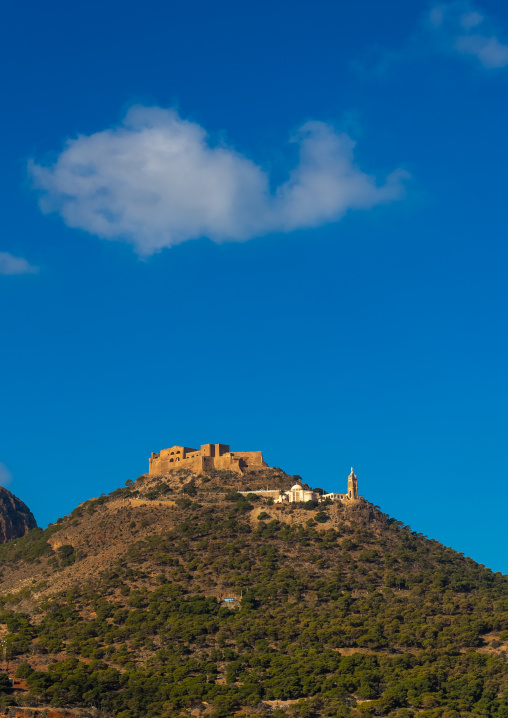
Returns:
point(15, 265)
point(157, 181)
point(5, 475)
point(460, 28)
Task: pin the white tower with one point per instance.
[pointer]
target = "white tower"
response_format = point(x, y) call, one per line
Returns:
point(352, 486)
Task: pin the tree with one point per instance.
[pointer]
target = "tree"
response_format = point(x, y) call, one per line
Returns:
point(5, 683)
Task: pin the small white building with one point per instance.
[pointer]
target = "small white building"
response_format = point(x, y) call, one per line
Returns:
point(297, 494)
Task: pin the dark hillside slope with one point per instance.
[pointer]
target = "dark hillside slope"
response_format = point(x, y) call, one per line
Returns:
point(337, 610)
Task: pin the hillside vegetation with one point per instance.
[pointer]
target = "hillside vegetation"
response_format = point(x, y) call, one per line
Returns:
point(337, 609)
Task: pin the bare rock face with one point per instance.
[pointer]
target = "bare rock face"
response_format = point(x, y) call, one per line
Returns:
point(16, 519)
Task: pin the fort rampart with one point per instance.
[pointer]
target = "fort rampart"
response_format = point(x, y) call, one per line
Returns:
point(208, 457)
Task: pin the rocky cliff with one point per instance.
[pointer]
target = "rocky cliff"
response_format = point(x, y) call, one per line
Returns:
point(16, 519)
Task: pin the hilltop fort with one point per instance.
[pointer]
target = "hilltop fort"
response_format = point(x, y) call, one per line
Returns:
point(219, 457)
point(210, 456)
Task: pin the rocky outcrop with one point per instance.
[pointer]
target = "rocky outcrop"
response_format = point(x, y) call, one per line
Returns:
point(16, 519)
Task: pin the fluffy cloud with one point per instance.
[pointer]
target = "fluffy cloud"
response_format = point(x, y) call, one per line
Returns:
point(157, 181)
point(15, 265)
point(5, 475)
point(460, 28)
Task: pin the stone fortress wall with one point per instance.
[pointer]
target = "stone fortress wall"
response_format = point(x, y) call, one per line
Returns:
point(208, 457)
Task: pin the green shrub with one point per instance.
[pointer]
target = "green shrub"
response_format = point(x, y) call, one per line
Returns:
point(66, 554)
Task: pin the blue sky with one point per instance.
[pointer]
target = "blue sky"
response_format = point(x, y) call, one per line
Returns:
point(278, 226)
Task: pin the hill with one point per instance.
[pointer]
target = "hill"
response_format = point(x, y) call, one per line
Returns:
point(177, 596)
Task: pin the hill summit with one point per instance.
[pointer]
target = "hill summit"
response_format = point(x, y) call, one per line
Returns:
point(200, 594)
